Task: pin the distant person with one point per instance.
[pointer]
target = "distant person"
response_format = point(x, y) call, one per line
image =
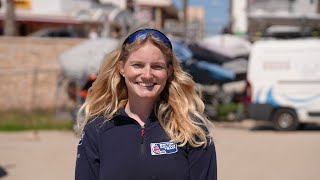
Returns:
point(143, 117)
point(93, 33)
point(72, 91)
point(115, 30)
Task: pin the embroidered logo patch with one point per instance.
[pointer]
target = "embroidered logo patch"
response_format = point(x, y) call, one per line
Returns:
point(163, 148)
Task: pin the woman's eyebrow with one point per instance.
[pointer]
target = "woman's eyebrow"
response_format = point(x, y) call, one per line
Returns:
point(158, 62)
point(135, 61)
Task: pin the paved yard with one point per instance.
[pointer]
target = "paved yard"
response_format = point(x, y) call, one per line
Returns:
point(244, 153)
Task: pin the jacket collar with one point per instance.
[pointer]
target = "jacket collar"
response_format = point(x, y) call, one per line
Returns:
point(152, 117)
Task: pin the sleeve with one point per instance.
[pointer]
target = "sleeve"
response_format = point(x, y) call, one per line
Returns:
point(88, 160)
point(203, 163)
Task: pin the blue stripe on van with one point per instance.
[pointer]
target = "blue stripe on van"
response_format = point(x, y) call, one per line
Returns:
point(256, 99)
point(270, 98)
point(301, 100)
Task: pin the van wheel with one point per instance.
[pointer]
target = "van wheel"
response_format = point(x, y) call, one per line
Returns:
point(285, 120)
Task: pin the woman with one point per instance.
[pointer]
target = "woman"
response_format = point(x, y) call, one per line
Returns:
point(143, 117)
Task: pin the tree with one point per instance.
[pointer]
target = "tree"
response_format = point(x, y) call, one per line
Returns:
point(10, 28)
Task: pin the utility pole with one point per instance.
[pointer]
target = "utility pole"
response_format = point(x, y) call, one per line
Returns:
point(10, 19)
point(185, 19)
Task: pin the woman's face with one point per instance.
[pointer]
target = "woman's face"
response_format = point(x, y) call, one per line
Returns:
point(146, 72)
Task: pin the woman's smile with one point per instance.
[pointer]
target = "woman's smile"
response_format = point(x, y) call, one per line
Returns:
point(146, 84)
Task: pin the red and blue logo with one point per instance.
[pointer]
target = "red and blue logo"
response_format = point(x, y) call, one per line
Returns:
point(163, 148)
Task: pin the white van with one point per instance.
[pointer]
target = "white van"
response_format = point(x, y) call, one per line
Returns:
point(284, 82)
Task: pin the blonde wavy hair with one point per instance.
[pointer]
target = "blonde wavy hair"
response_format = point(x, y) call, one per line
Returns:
point(179, 108)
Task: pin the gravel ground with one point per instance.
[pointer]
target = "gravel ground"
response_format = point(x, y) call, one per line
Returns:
point(245, 151)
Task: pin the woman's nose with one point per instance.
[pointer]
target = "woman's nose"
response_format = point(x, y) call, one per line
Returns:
point(147, 73)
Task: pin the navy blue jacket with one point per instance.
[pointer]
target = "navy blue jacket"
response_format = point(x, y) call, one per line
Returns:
point(120, 149)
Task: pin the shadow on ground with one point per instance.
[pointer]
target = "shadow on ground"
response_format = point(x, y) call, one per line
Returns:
point(269, 127)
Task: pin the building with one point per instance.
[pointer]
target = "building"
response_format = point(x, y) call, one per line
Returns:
point(283, 16)
point(155, 13)
point(196, 25)
point(268, 17)
point(33, 15)
point(81, 16)
point(108, 17)
point(149, 13)
point(238, 16)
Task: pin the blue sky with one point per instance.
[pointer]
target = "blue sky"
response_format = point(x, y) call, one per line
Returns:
point(216, 13)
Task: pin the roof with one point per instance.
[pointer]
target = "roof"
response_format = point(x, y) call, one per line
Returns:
point(61, 19)
point(75, 16)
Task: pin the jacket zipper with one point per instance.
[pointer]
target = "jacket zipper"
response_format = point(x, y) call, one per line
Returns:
point(142, 139)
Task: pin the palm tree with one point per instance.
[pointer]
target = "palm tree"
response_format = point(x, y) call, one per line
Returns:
point(10, 28)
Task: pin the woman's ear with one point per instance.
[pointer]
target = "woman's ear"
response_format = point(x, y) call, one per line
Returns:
point(120, 66)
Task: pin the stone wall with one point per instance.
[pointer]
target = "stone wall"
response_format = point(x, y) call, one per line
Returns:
point(29, 72)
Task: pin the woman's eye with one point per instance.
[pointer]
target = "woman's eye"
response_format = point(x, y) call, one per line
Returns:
point(137, 65)
point(158, 67)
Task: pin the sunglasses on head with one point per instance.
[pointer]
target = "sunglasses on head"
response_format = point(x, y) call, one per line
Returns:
point(143, 33)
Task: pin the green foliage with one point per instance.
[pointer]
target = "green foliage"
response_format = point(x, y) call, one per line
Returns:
point(37, 120)
point(223, 110)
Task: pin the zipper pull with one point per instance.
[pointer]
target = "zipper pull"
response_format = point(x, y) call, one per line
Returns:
point(142, 134)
